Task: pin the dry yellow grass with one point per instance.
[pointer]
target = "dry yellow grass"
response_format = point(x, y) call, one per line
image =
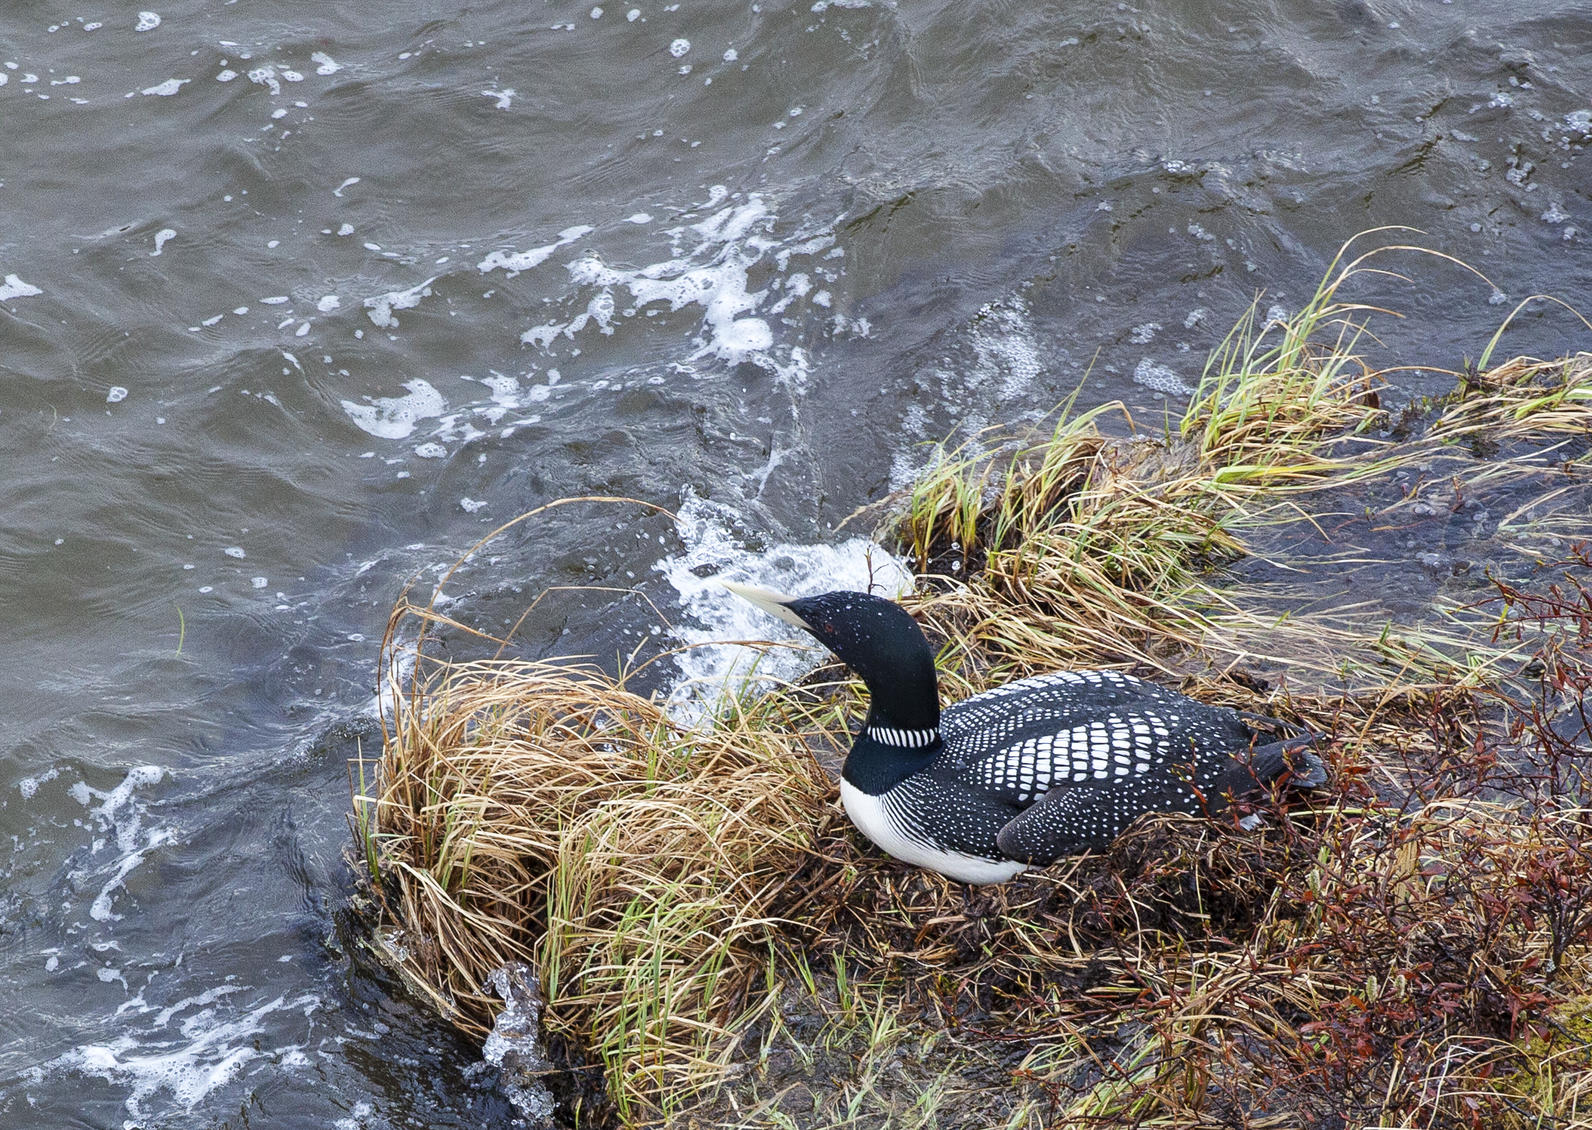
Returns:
point(542, 813)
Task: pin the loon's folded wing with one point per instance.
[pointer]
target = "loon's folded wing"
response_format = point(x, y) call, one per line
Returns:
point(1064, 700)
point(1021, 759)
point(1087, 817)
point(1066, 822)
point(1072, 820)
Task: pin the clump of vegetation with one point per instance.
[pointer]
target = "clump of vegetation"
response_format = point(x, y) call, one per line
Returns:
point(717, 947)
point(545, 814)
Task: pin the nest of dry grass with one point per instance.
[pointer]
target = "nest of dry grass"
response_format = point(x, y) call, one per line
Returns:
point(544, 814)
point(717, 947)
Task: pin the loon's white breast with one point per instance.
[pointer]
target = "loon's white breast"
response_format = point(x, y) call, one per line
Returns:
point(875, 818)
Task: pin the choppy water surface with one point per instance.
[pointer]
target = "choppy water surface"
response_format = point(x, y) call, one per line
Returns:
point(298, 299)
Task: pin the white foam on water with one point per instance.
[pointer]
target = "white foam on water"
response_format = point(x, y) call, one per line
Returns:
point(266, 76)
point(147, 21)
point(29, 786)
point(1154, 375)
point(325, 64)
point(519, 261)
point(711, 668)
point(120, 797)
point(101, 908)
point(1007, 348)
point(709, 270)
point(739, 338)
point(395, 417)
point(162, 237)
point(13, 287)
point(713, 274)
point(381, 307)
point(118, 815)
point(166, 89)
point(907, 462)
point(188, 1060)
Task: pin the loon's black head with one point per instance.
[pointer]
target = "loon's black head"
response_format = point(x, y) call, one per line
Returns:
point(873, 636)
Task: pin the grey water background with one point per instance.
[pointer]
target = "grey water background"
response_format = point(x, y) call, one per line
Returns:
point(298, 298)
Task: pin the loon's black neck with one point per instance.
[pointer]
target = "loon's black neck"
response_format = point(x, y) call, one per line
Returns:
point(886, 649)
point(901, 734)
point(875, 766)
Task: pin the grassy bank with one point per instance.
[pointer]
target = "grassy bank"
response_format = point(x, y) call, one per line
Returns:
point(717, 947)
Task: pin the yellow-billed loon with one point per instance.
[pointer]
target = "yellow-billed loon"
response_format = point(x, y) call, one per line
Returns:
point(1028, 772)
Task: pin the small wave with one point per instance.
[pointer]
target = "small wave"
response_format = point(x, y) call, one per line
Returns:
point(716, 547)
point(119, 814)
point(187, 1050)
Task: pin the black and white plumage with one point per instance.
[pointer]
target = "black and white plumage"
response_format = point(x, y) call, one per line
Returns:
point(1028, 772)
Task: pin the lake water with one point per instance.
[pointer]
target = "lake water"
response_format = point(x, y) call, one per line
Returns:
point(299, 298)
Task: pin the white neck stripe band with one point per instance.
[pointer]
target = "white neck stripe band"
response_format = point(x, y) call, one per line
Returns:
point(907, 739)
